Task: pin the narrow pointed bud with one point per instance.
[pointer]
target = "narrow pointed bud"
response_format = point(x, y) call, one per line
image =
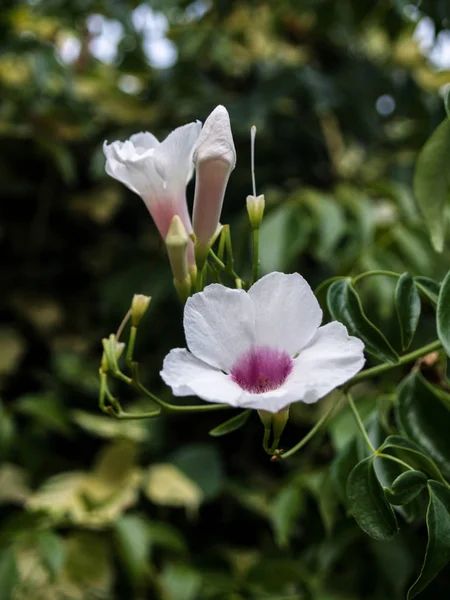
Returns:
point(139, 306)
point(177, 241)
point(112, 351)
point(255, 209)
point(214, 158)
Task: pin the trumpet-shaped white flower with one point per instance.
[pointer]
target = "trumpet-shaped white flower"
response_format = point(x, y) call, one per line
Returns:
point(214, 158)
point(261, 349)
point(158, 172)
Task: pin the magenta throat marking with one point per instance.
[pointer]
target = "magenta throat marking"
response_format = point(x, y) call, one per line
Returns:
point(261, 369)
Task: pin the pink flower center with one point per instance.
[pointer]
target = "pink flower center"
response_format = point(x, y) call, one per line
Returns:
point(261, 369)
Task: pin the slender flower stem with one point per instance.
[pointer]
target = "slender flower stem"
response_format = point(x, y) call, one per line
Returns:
point(375, 273)
point(267, 432)
point(216, 260)
point(412, 356)
point(122, 325)
point(360, 423)
point(131, 343)
point(255, 255)
point(312, 432)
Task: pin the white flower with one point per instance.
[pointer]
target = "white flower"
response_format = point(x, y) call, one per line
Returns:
point(214, 159)
point(158, 172)
point(261, 349)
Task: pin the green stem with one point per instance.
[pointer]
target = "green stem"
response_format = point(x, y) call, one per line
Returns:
point(173, 407)
point(328, 282)
point(131, 343)
point(216, 260)
point(412, 356)
point(360, 423)
point(375, 273)
point(255, 255)
point(312, 432)
point(394, 459)
point(267, 432)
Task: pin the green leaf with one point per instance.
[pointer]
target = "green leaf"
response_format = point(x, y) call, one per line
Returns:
point(424, 418)
point(406, 487)
point(342, 466)
point(437, 554)
point(52, 552)
point(407, 304)
point(432, 182)
point(368, 504)
point(284, 512)
point(201, 463)
point(443, 314)
point(429, 287)
point(180, 582)
point(411, 453)
point(133, 544)
point(345, 306)
point(8, 575)
point(232, 424)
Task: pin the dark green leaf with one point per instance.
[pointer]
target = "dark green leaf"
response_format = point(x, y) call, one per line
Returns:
point(345, 306)
point(443, 314)
point(285, 511)
point(8, 575)
point(407, 304)
point(406, 487)
point(342, 466)
point(429, 287)
point(202, 464)
point(411, 453)
point(432, 182)
point(437, 554)
point(424, 418)
point(232, 424)
point(368, 504)
point(51, 549)
point(133, 544)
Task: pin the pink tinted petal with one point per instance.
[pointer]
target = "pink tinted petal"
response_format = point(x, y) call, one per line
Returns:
point(261, 369)
point(287, 312)
point(189, 376)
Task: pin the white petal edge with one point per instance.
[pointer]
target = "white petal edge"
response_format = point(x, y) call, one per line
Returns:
point(287, 312)
point(219, 325)
point(329, 360)
point(189, 376)
point(173, 157)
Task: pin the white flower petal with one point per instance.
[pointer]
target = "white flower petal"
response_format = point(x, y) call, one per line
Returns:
point(286, 311)
point(135, 170)
point(144, 140)
point(173, 157)
point(189, 376)
point(219, 325)
point(329, 360)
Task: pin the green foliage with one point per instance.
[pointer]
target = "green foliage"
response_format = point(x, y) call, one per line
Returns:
point(93, 507)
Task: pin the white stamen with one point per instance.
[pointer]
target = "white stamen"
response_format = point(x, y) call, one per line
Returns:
point(252, 156)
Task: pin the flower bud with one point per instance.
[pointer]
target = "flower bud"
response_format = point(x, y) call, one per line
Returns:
point(255, 209)
point(177, 241)
point(214, 158)
point(139, 306)
point(112, 351)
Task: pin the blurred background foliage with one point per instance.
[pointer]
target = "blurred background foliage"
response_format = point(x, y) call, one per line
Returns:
point(343, 94)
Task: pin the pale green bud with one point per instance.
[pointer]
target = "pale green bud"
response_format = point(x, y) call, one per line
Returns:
point(112, 351)
point(255, 209)
point(139, 306)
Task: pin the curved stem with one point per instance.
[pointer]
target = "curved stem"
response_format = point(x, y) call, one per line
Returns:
point(122, 325)
point(173, 407)
point(412, 356)
point(360, 423)
point(328, 282)
point(375, 273)
point(394, 459)
point(323, 419)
